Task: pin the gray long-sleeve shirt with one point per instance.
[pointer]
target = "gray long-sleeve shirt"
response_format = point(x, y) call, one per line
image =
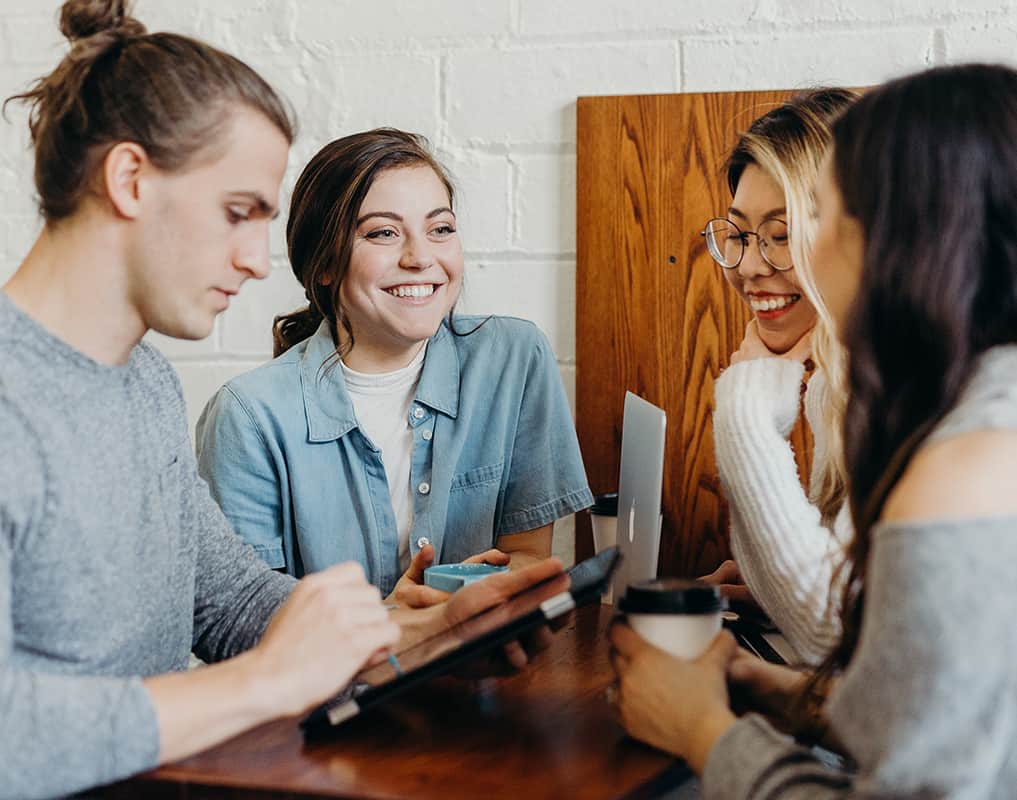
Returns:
point(928, 706)
point(114, 561)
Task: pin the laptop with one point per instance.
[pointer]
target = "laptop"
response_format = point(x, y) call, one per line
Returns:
point(639, 491)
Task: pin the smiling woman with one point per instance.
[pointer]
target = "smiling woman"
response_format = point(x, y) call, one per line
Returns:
point(388, 430)
point(787, 542)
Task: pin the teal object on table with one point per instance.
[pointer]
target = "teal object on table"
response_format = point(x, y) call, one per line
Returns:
point(451, 577)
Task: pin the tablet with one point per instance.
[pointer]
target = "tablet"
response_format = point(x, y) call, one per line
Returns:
point(438, 654)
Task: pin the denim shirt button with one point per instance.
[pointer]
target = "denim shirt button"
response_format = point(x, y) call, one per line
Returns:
point(422, 542)
point(426, 435)
point(418, 413)
point(424, 487)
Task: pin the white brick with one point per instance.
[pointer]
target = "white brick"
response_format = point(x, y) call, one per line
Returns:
point(17, 235)
point(529, 95)
point(334, 94)
point(788, 61)
point(543, 292)
point(330, 22)
point(482, 199)
point(247, 325)
point(568, 379)
point(845, 12)
point(652, 17)
point(545, 195)
point(184, 348)
point(35, 39)
point(186, 17)
point(251, 26)
point(564, 542)
point(7, 270)
point(992, 42)
point(202, 380)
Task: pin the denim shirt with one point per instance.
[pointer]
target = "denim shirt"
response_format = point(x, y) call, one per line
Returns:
point(494, 452)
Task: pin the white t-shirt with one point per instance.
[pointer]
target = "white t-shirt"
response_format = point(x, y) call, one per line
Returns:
point(382, 405)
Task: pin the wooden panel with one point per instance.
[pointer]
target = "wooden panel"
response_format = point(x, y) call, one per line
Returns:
point(654, 315)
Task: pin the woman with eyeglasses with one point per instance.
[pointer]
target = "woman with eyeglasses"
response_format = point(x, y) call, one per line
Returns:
point(786, 542)
point(916, 257)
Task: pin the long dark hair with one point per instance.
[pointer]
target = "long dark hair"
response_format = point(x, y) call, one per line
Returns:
point(323, 222)
point(927, 165)
point(171, 94)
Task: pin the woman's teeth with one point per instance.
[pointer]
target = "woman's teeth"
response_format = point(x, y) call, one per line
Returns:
point(773, 303)
point(416, 290)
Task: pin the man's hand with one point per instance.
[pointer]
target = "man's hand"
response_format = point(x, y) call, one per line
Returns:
point(331, 625)
point(410, 590)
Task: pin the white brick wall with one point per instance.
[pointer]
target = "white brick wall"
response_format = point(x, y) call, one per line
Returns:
point(493, 84)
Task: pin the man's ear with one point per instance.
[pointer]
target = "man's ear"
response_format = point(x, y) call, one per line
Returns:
point(122, 171)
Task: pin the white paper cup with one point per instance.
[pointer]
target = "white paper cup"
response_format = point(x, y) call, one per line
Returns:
point(679, 616)
point(604, 521)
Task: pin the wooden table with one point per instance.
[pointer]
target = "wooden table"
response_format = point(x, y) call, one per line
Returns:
point(546, 732)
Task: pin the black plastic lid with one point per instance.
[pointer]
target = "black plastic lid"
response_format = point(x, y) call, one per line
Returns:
point(605, 505)
point(672, 596)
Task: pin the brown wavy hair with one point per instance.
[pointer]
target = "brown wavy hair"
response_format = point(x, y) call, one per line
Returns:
point(168, 93)
point(927, 165)
point(323, 221)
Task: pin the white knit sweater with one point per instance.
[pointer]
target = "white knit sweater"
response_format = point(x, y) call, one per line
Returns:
point(787, 557)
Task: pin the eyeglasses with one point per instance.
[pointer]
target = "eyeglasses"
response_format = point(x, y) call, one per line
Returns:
point(727, 242)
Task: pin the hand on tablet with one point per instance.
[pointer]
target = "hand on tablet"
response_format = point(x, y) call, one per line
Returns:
point(331, 625)
point(410, 590)
point(490, 592)
point(419, 624)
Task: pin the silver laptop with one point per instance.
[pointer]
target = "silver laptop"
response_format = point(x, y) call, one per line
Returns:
point(639, 488)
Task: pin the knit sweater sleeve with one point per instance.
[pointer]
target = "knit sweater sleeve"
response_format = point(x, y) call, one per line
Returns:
point(787, 557)
point(926, 707)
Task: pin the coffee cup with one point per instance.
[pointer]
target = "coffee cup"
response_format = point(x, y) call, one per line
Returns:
point(677, 615)
point(604, 519)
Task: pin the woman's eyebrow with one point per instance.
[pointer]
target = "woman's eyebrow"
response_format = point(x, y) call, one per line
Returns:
point(773, 212)
point(386, 214)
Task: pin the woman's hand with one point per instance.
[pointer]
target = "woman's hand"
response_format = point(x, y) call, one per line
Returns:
point(410, 590)
point(768, 689)
point(752, 347)
point(485, 595)
point(729, 579)
point(676, 705)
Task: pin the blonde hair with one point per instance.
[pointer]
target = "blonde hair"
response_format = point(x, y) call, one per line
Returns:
point(788, 144)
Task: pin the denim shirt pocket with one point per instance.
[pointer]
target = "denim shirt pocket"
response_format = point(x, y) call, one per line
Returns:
point(472, 505)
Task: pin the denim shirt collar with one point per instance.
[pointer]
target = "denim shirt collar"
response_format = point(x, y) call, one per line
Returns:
point(327, 404)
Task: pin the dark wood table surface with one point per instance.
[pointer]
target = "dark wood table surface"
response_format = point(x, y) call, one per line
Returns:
point(547, 732)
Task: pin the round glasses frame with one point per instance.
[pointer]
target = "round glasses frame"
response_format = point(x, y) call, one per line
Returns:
point(766, 235)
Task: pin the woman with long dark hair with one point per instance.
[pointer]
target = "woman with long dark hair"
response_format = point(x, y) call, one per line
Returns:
point(916, 257)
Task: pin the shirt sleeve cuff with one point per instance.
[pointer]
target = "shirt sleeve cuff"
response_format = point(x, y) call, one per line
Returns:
point(742, 756)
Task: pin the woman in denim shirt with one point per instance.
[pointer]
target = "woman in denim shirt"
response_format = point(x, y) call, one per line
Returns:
point(386, 430)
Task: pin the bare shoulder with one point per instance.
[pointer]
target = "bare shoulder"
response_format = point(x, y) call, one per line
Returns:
point(971, 475)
